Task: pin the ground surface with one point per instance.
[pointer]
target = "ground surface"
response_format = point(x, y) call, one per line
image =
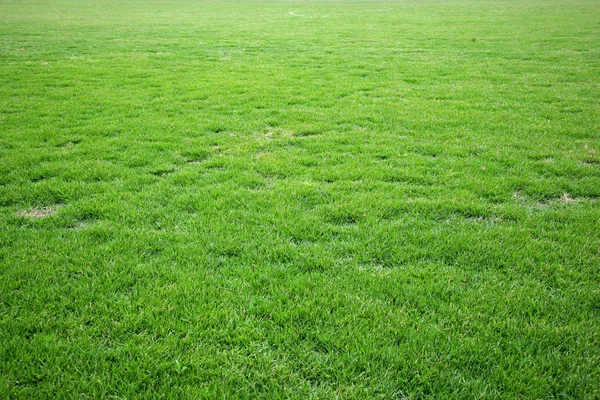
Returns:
point(300, 199)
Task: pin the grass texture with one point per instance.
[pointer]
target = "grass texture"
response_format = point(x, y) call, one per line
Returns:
point(298, 199)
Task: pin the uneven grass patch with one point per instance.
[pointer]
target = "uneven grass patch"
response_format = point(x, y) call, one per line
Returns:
point(299, 199)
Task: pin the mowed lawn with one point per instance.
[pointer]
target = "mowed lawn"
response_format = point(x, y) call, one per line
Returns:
point(300, 199)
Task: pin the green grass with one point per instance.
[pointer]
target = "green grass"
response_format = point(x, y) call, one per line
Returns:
point(292, 199)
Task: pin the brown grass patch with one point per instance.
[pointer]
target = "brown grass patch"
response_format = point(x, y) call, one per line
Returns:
point(38, 212)
point(566, 198)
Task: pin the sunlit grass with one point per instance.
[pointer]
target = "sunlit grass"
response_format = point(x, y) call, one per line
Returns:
point(300, 199)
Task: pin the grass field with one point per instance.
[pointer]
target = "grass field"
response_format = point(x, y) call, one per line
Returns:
point(297, 199)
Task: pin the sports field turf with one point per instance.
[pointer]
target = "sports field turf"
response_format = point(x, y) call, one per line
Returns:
point(300, 199)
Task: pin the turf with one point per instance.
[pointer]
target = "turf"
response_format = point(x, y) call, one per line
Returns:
point(297, 199)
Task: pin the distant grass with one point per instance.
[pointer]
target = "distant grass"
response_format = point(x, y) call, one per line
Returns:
point(300, 199)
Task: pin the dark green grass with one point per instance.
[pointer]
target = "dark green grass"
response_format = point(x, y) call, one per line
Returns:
point(300, 199)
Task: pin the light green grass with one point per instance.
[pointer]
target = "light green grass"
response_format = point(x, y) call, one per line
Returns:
point(300, 199)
